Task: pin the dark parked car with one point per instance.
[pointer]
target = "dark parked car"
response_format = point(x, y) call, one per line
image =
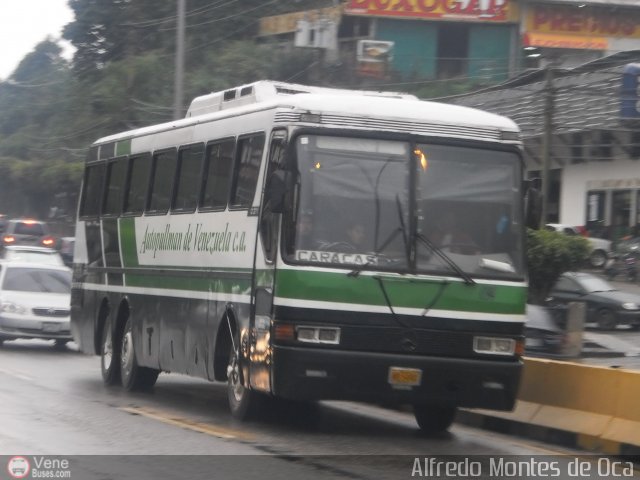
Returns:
point(543, 335)
point(628, 246)
point(605, 306)
point(24, 231)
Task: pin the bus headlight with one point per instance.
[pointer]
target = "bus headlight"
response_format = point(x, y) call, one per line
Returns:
point(309, 334)
point(494, 345)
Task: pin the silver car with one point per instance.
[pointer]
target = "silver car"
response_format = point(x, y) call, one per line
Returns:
point(35, 302)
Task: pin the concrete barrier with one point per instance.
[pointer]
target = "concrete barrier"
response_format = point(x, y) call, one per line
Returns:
point(598, 406)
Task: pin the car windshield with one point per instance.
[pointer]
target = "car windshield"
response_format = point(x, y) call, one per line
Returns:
point(24, 279)
point(594, 284)
point(46, 258)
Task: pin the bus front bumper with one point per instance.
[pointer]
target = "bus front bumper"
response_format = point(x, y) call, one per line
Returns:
point(323, 374)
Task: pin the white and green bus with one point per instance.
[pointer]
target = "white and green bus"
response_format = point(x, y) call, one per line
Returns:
point(221, 246)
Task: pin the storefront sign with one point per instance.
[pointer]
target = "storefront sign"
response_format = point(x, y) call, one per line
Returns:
point(546, 40)
point(374, 57)
point(480, 10)
point(613, 183)
point(587, 21)
point(287, 23)
point(630, 92)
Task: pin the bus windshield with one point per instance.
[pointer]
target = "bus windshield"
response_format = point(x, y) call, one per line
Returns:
point(469, 206)
point(353, 207)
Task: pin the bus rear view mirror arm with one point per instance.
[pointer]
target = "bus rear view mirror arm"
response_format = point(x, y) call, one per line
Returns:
point(532, 203)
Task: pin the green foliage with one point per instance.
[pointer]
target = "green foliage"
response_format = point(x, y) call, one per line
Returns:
point(549, 255)
point(121, 78)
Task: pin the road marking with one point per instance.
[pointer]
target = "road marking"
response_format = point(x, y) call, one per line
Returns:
point(17, 375)
point(201, 427)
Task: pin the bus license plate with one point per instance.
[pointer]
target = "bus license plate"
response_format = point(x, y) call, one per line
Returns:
point(405, 377)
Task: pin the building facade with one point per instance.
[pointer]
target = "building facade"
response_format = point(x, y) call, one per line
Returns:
point(569, 71)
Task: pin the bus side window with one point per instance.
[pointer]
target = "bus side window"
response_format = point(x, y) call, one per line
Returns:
point(135, 193)
point(162, 176)
point(116, 173)
point(92, 190)
point(187, 175)
point(217, 174)
point(245, 173)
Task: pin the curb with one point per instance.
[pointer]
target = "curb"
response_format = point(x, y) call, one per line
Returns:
point(543, 434)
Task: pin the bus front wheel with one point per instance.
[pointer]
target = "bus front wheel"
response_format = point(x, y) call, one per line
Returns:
point(134, 377)
point(434, 418)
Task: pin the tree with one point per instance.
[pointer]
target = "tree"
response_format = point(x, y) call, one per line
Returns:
point(549, 255)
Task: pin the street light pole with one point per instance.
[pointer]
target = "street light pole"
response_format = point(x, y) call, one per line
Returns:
point(549, 100)
point(179, 66)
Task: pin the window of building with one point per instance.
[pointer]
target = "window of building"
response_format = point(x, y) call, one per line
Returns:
point(247, 166)
point(188, 178)
point(453, 50)
point(136, 192)
point(217, 174)
point(162, 176)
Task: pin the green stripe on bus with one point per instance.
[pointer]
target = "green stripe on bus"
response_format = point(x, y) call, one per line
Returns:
point(402, 292)
point(128, 242)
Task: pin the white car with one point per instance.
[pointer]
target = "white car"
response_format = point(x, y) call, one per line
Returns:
point(600, 248)
point(27, 254)
point(35, 302)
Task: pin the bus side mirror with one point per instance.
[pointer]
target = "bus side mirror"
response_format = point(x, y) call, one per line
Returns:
point(532, 203)
point(276, 191)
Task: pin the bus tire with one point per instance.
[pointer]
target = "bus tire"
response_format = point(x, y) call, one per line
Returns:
point(134, 377)
point(109, 356)
point(433, 418)
point(244, 403)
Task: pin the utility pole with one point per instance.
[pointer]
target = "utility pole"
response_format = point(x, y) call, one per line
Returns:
point(179, 68)
point(549, 103)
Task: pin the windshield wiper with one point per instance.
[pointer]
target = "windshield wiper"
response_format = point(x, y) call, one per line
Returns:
point(401, 229)
point(356, 271)
point(438, 251)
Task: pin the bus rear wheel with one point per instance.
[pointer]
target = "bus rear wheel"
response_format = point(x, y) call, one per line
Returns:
point(244, 403)
point(433, 418)
point(134, 377)
point(109, 356)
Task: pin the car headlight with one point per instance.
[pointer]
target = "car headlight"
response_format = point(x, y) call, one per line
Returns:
point(630, 306)
point(10, 307)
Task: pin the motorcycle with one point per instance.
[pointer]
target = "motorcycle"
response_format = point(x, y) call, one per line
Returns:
point(624, 265)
